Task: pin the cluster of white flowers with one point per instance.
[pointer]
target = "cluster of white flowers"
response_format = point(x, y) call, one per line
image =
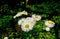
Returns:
point(28, 23)
point(49, 24)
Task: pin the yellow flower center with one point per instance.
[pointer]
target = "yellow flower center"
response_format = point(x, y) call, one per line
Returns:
point(24, 13)
point(36, 16)
point(50, 22)
point(27, 26)
point(19, 13)
point(22, 21)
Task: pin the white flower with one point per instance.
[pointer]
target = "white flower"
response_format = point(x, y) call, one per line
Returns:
point(30, 20)
point(14, 17)
point(21, 21)
point(36, 17)
point(26, 27)
point(49, 23)
point(47, 29)
point(18, 14)
point(24, 12)
point(5, 37)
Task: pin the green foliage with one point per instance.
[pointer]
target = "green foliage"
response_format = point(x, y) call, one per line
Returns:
point(5, 21)
point(57, 19)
